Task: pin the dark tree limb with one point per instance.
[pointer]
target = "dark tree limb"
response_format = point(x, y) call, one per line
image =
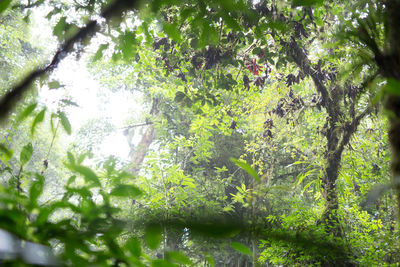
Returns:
point(301, 59)
point(351, 128)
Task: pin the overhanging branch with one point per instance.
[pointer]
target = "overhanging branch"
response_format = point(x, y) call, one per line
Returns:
point(14, 94)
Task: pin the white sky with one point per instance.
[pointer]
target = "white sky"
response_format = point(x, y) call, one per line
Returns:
point(85, 91)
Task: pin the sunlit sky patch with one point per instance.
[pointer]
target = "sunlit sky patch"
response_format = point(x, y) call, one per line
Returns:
point(94, 102)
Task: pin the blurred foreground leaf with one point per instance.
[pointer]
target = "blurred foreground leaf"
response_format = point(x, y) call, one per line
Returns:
point(39, 118)
point(26, 112)
point(6, 153)
point(241, 248)
point(4, 4)
point(178, 257)
point(153, 235)
point(87, 173)
point(26, 154)
point(124, 190)
point(65, 122)
point(247, 168)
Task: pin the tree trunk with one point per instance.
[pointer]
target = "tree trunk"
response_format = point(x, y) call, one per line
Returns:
point(390, 66)
point(388, 62)
point(142, 148)
point(148, 137)
point(330, 193)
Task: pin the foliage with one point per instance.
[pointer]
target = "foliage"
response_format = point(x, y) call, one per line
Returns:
point(269, 144)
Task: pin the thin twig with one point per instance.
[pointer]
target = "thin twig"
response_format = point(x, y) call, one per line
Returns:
point(137, 125)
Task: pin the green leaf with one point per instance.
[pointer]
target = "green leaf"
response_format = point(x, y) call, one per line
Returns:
point(392, 87)
point(210, 259)
point(162, 263)
point(179, 96)
point(71, 179)
point(246, 167)
point(55, 85)
point(87, 173)
point(133, 245)
point(209, 35)
point(65, 122)
point(172, 31)
point(7, 153)
point(27, 111)
point(231, 22)
point(26, 154)
point(178, 257)
point(348, 180)
point(307, 186)
point(99, 53)
point(125, 190)
point(241, 248)
point(319, 21)
point(277, 25)
point(188, 102)
point(81, 158)
point(52, 117)
point(84, 192)
point(127, 45)
point(39, 118)
point(71, 158)
point(306, 2)
point(256, 51)
point(4, 4)
point(36, 188)
point(185, 13)
point(47, 210)
point(59, 29)
point(303, 176)
point(69, 102)
point(153, 235)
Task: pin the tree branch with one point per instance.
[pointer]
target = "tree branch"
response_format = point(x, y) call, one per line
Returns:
point(300, 58)
point(137, 125)
point(352, 127)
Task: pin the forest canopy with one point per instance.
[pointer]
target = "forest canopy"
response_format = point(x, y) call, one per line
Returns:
point(200, 133)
